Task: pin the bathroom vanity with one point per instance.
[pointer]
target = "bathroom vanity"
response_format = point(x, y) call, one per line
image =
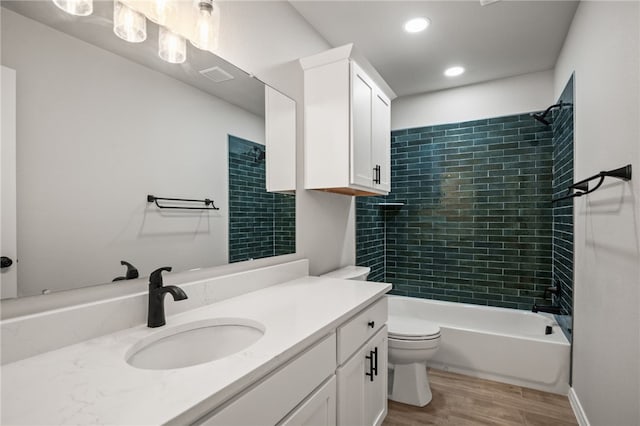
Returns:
point(321, 359)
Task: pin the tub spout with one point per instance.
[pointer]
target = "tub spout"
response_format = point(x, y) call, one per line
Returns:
point(548, 309)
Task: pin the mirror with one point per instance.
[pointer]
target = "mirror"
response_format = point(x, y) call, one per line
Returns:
point(100, 125)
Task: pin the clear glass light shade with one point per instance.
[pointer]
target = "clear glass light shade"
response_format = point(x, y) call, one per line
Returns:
point(75, 7)
point(207, 26)
point(172, 46)
point(128, 24)
point(162, 9)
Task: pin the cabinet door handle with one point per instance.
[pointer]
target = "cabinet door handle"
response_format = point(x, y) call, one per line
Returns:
point(372, 369)
point(375, 357)
point(376, 174)
point(371, 324)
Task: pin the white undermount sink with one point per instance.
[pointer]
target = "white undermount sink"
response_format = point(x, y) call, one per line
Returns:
point(194, 343)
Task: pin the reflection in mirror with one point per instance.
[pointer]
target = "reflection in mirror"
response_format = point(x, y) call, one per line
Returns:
point(100, 125)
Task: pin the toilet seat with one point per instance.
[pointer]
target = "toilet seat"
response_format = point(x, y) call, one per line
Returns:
point(412, 329)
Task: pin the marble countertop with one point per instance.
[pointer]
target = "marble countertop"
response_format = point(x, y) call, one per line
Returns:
point(91, 383)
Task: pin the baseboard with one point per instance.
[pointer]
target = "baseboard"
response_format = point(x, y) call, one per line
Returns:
point(577, 408)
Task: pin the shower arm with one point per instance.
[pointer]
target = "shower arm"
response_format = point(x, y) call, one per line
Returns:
point(623, 173)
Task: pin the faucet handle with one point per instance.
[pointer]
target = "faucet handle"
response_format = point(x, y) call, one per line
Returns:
point(155, 279)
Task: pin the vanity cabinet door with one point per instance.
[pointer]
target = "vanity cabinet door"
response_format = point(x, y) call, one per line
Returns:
point(362, 384)
point(318, 410)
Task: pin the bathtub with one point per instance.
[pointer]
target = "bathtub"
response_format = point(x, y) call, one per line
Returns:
point(505, 345)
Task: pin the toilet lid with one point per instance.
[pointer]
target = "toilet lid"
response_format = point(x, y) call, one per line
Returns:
point(408, 328)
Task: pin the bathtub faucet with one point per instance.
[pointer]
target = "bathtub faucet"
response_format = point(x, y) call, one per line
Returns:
point(548, 309)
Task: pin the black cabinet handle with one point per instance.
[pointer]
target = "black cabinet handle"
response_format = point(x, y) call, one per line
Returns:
point(376, 174)
point(5, 262)
point(372, 369)
point(375, 357)
point(371, 324)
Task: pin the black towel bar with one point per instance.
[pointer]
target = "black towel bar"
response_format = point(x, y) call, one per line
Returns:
point(208, 204)
point(623, 173)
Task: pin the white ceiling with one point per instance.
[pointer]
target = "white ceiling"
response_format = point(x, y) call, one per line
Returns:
point(499, 40)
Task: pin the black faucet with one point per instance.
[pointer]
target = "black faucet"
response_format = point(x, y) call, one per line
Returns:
point(555, 290)
point(548, 309)
point(157, 291)
point(132, 272)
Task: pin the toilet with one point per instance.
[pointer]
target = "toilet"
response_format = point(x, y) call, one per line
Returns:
point(412, 342)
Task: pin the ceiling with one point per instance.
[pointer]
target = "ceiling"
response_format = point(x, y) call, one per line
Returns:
point(502, 39)
point(243, 90)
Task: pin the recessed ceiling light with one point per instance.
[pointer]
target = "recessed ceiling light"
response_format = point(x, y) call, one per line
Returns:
point(453, 71)
point(416, 25)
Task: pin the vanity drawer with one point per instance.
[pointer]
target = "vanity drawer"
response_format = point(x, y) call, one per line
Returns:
point(356, 331)
point(270, 400)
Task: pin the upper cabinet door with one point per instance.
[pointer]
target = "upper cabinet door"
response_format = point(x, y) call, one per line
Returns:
point(280, 130)
point(381, 141)
point(362, 94)
point(346, 124)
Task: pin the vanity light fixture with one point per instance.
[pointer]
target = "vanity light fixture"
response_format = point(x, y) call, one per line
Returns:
point(162, 9)
point(172, 47)
point(75, 7)
point(128, 24)
point(454, 71)
point(416, 25)
point(207, 23)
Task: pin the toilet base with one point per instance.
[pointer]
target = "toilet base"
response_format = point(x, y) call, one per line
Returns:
point(411, 384)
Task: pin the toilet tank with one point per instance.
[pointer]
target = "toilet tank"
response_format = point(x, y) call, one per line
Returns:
point(359, 273)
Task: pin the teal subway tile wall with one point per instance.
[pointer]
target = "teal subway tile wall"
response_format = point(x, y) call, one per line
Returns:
point(261, 224)
point(476, 225)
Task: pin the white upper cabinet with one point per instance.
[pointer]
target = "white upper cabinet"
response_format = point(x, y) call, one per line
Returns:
point(347, 135)
point(280, 131)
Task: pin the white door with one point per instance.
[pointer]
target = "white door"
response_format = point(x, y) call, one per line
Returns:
point(362, 384)
point(361, 114)
point(318, 410)
point(9, 270)
point(381, 150)
point(375, 393)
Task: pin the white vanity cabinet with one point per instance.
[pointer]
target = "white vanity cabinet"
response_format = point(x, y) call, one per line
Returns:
point(347, 135)
point(362, 377)
point(340, 380)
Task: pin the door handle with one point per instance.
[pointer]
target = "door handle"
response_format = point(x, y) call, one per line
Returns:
point(372, 369)
point(5, 262)
point(375, 357)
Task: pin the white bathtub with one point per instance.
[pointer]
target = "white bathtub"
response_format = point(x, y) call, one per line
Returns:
point(505, 345)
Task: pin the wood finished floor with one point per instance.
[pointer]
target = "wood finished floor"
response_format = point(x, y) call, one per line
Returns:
point(464, 401)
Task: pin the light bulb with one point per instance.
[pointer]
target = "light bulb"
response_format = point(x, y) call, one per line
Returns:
point(75, 7)
point(172, 47)
point(207, 24)
point(128, 24)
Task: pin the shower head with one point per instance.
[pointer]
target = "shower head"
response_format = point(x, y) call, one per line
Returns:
point(540, 118)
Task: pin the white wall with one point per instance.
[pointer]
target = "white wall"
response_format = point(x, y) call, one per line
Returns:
point(602, 47)
point(91, 146)
point(514, 95)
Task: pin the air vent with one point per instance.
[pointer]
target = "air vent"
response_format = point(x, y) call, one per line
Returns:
point(216, 74)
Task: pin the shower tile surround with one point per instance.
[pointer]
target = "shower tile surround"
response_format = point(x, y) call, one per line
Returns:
point(477, 222)
point(261, 224)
